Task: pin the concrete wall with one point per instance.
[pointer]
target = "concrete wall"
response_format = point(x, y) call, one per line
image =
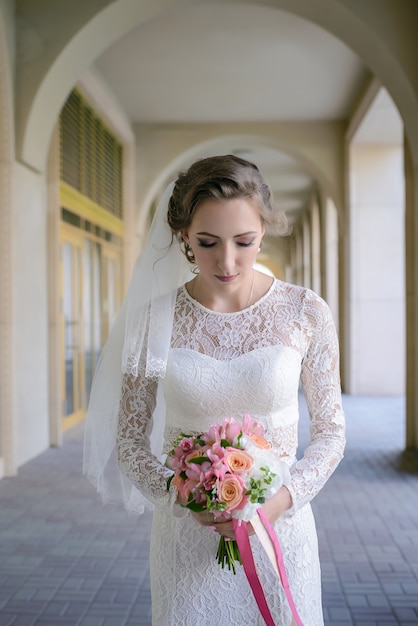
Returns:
point(30, 313)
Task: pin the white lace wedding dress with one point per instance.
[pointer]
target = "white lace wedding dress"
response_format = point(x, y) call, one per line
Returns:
point(228, 364)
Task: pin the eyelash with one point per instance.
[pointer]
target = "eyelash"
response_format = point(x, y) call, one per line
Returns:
point(205, 244)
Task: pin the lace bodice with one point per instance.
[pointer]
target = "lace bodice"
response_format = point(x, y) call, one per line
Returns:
point(250, 361)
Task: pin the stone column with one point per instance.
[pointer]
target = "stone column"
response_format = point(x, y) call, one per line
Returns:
point(330, 286)
point(54, 349)
point(306, 242)
point(7, 392)
point(377, 293)
point(316, 246)
point(411, 271)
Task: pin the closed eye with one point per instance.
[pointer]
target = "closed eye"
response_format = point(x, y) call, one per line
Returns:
point(210, 244)
point(245, 244)
point(206, 244)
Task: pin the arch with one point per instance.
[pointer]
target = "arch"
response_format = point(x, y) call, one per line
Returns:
point(225, 143)
point(45, 94)
point(41, 98)
point(222, 144)
point(7, 422)
point(359, 25)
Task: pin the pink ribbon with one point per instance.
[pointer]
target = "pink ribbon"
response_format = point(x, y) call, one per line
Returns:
point(241, 535)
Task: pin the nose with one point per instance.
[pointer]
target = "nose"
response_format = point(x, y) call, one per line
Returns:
point(226, 259)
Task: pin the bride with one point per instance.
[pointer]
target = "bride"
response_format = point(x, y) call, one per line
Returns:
point(190, 349)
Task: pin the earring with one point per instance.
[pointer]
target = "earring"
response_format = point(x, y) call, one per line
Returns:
point(189, 252)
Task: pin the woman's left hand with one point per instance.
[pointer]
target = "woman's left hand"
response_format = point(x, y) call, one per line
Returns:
point(222, 524)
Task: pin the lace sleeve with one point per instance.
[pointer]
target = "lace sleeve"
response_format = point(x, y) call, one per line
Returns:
point(135, 459)
point(320, 379)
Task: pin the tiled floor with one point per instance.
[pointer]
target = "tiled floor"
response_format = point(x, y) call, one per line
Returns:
point(65, 559)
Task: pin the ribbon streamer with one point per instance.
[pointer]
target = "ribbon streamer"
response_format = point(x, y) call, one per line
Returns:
point(270, 544)
point(243, 541)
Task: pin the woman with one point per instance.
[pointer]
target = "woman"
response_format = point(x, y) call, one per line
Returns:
point(229, 341)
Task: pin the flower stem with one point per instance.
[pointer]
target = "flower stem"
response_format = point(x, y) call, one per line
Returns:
point(228, 554)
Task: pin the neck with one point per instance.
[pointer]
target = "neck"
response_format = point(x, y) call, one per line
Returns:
point(237, 301)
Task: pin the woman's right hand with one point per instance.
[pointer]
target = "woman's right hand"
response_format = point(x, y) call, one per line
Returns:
point(220, 524)
point(204, 518)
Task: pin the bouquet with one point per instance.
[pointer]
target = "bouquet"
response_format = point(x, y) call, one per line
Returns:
point(230, 471)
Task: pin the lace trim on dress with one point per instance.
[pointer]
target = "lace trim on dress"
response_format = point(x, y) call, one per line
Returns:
point(286, 315)
point(201, 306)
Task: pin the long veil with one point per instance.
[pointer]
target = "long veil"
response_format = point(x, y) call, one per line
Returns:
point(146, 315)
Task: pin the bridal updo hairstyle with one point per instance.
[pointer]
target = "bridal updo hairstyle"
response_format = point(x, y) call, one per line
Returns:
point(221, 178)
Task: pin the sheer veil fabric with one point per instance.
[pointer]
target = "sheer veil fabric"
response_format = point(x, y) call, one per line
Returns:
point(143, 326)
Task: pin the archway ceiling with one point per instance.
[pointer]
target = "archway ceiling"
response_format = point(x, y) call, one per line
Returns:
point(228, 63)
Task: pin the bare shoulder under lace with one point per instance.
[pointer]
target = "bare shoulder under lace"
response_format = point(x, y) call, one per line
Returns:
point(250, 361)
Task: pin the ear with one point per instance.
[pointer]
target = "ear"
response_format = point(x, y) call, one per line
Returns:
point(184, 235)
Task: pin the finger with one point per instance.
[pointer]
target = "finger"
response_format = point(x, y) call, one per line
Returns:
point(225, 531)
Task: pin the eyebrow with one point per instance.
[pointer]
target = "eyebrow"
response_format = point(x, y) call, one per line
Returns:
point(250, 232)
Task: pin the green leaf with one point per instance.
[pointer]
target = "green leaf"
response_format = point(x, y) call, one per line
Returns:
point(180, 438)
point(195, 507)
point(199, 460)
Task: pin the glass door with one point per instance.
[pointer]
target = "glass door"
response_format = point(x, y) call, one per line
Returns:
point(92, 311)
point(111, 287)
point(71, 337)
point(90, 299)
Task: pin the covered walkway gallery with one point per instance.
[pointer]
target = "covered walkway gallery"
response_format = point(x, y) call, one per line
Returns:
point(101, 104)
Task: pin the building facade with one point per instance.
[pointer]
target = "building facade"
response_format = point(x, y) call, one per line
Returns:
point(75, 204)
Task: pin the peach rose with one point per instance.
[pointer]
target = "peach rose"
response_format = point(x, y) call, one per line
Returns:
point(260, 442)
point(239, 461)
point(231, 491)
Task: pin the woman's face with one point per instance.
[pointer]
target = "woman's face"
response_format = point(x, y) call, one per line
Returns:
point(225, 236)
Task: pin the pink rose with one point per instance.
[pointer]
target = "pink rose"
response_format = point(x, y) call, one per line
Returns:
point(182, 452)
point(186, 444)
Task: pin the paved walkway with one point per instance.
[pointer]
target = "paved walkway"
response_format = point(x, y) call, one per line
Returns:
point(65, 559)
